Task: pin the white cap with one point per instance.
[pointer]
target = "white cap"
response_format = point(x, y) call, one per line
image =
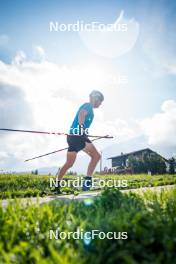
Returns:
point(97, 95)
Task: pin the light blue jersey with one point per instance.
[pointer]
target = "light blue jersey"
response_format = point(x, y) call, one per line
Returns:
point(88, 119)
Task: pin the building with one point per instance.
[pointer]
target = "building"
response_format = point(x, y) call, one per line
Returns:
point(120, 163)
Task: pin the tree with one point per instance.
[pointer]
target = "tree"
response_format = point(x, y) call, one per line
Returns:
point(156, 164)
point(149, 162)
point(36, 172)
point(172, 163)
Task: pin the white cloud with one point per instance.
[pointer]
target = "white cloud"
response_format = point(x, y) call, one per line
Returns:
point(112, 43)
point(3, 155)
point(39, 53)
point(170, 68)
point(19, 58)
point(4, 40)
point(161, 128)
point(51, 95)
point(14, 110)
point(45, 96)
point(118, 128)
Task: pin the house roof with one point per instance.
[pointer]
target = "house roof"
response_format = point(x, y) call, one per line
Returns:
point(136, 152)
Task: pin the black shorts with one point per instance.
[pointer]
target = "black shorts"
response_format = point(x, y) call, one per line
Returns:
point(77, 143)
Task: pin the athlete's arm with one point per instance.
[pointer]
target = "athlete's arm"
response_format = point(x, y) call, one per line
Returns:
point(82, 116)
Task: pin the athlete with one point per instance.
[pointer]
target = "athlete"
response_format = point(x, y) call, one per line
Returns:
point(78, 140)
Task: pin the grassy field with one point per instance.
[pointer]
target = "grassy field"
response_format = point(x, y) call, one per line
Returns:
point(29, 185)
point(149, 220)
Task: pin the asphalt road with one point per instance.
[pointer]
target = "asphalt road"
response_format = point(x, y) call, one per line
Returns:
point(81, 196)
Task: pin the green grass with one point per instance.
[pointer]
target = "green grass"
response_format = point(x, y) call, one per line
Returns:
point(149, 219)
point(28, 185)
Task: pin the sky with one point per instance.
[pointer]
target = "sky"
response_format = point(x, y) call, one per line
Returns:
point(46, 75)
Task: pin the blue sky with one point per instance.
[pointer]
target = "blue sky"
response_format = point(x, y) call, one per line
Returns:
point(26, 22)
point(149, 64)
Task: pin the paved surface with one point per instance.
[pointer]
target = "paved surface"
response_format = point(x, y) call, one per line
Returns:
point(81, 196)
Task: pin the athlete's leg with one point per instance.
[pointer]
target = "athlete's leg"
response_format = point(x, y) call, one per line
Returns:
point(71, 157)
point(95, 157)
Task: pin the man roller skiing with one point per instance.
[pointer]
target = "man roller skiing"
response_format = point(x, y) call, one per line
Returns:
point(80, 141)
